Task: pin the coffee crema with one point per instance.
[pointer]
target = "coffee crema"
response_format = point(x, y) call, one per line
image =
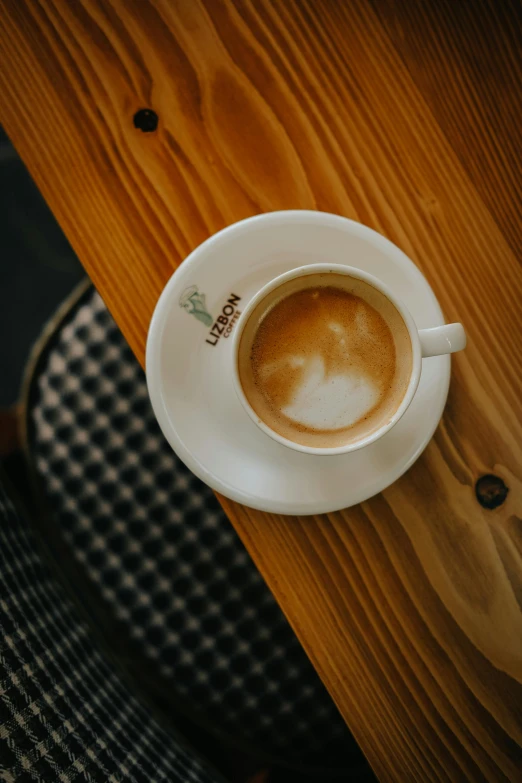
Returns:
point(325, 360)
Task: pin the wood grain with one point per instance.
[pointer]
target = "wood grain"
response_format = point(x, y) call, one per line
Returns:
point(410, 605)
point(466, 59)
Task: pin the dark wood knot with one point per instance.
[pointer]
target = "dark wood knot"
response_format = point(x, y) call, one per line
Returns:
point(146, 120)
point(491, 491)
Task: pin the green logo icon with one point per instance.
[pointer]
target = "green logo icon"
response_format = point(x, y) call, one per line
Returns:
point(194, 303)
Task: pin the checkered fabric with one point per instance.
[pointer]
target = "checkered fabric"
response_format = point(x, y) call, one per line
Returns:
point(64, 714)
point(162, 554)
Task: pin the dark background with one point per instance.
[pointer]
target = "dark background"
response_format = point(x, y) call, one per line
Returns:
point(38, 268)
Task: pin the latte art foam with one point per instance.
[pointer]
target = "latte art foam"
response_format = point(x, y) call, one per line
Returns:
point(325, 359)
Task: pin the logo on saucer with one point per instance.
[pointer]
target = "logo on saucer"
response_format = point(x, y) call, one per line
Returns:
point(195, 304)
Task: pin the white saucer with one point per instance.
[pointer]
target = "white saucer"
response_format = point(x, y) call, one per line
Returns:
point(190, 378)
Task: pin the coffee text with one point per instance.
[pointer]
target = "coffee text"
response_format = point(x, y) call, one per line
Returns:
point(224, 323)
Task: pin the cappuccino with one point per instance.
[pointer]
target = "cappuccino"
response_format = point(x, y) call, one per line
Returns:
point(325, 360)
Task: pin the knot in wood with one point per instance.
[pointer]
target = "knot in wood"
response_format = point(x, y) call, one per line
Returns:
point(146, 120)
point(491, 491)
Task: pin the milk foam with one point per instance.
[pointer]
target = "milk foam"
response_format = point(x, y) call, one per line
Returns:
point(329, 402)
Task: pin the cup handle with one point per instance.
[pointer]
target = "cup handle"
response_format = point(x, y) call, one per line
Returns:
point(442, 339)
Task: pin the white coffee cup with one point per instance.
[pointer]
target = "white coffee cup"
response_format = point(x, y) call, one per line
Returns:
point(424, 343)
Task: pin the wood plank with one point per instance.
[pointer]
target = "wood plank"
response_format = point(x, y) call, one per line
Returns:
point(409, 605)
point(466, 59)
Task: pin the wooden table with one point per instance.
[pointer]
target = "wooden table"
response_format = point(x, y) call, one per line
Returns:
point(407, 117)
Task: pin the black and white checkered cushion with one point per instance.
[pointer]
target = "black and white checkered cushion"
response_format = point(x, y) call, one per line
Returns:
point(161, 552)
point(64, 713)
